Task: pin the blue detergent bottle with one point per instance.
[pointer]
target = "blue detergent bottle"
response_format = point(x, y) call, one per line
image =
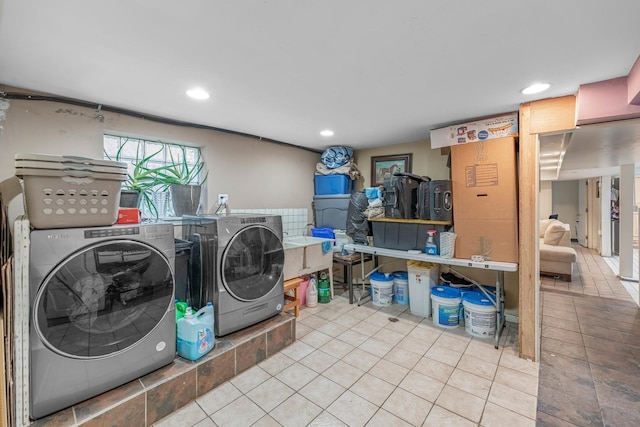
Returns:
point(195, 333)
point(430, 248)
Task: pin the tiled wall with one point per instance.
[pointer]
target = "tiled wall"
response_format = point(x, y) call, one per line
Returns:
point(294, 220)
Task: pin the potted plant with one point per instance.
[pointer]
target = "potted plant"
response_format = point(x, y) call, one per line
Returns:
point(141, 181)
point(179, 178)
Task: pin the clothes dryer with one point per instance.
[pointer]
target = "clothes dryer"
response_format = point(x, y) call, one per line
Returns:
point(102, 310)
point(238, 265)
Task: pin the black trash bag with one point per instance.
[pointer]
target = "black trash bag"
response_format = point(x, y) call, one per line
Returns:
point(357, 224)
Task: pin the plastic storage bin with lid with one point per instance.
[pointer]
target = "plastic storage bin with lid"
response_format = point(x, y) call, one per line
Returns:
point(333, 184)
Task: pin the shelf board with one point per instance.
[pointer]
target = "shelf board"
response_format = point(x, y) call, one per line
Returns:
point(412, 221)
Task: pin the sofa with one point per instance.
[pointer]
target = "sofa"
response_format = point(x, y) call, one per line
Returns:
point(556, 254)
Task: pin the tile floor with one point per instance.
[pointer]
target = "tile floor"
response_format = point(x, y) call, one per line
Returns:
point(590, 348)
point(353, 366)
point(357, 366)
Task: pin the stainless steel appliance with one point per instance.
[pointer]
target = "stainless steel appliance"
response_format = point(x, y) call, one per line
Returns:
point(102, 311)
point(238, 264)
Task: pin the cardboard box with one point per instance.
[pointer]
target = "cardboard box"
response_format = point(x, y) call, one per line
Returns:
point(485, 180)
point(485, 199)
point(495, 239)
point(480, 130)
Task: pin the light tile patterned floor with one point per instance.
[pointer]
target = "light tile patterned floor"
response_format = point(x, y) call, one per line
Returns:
point(353, 366)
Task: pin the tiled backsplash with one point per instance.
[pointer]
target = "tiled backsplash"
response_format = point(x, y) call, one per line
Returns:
point(294, 220)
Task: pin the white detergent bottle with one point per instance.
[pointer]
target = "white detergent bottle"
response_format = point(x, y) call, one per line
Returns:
point(312, 292)
point(430, 247)
point(195, 333)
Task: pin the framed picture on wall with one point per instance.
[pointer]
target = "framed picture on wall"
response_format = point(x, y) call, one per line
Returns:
point(384, 166)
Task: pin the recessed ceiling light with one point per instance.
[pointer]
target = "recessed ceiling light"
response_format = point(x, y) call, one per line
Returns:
point(198, 93)
point(535, 88)
point(326, 132)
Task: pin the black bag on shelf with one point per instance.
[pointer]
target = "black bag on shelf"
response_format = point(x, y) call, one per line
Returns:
point(390, 197)
point(424, 205)
point(402, 190)
point(441, 200)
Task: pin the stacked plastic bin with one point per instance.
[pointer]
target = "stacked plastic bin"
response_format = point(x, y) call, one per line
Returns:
point(331, 200)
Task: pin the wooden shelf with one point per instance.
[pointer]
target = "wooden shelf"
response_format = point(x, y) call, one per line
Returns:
point(412, 221)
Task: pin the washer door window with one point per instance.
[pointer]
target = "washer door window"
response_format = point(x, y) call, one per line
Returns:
point(252, 263)
point(103, 299)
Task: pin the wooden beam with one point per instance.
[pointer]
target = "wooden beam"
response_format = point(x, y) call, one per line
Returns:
point(552, 115)
point(545, 116)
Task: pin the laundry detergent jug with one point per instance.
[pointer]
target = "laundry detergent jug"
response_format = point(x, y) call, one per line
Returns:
point(195, 333)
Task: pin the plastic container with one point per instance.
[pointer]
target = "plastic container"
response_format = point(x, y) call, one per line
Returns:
point(324, 289)
point(181, 308)
point(479, 315)
point(195, 333)
point(401, 287)
point(381, 289)
point(430, 247)
point(341, 239)
point(333, 184)
point(324, 232)
point(445, 302)
point(302, 291)
point(422, 277)
point(331, 210)
point(312, 293)
point(70, 198)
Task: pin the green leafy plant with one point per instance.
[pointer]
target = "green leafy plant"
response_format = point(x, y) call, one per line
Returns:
point(179, 172)
point(142, 178)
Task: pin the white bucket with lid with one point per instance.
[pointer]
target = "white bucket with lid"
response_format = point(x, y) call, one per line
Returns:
point(479, 315)
point(445, 302)
point(401, 287)
point(381, 289)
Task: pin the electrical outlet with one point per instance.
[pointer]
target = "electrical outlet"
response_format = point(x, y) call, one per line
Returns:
point(223, 199)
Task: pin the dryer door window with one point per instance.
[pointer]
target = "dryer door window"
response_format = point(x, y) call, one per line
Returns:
point(103, 299)
point(252, 263)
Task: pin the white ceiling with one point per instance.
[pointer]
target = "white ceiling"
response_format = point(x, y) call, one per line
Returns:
point(377, 72)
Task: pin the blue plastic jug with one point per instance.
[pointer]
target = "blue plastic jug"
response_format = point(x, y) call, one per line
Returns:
point(195, 333)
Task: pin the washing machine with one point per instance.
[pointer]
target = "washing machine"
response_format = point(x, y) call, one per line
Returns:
point(238, 265)
point(102, 310)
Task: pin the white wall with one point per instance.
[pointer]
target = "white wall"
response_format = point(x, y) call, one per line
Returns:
point(565, 203)
point(546, 199)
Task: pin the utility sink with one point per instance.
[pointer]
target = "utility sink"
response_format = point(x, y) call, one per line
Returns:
point(303, 241)
point(304, 255)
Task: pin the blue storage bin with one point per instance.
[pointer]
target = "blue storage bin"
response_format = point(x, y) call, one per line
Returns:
point(323, 232)
point(333, 184)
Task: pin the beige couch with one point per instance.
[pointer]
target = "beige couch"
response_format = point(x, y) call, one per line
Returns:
point(556, 254)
